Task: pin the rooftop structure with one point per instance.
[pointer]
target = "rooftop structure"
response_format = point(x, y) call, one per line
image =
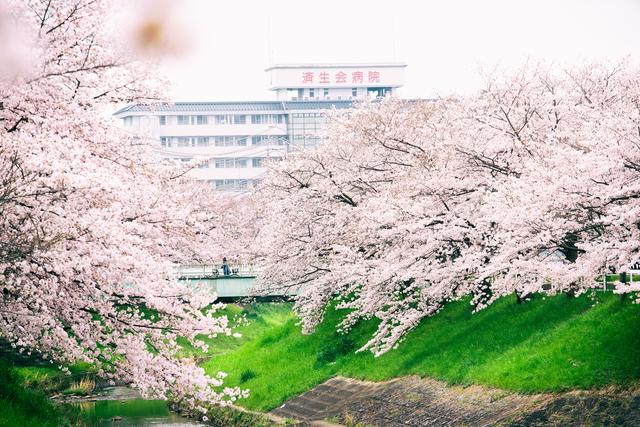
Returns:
point(302, 82)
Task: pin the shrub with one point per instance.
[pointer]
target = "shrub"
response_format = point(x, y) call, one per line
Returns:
point(246, 375)
point(330, 352)
point(233, 417)
point(82, 388)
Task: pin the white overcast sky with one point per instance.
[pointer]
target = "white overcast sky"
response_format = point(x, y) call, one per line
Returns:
point(444, 43)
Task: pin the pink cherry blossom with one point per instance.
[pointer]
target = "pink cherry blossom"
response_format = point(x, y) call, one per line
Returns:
point(530, 185)
point(93, 225)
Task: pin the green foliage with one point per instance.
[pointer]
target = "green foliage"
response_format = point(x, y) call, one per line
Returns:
point(246, 375)
point(330, 352)
point(232, 417)
point(22, 406)
point(43, 377)
point(546, 344)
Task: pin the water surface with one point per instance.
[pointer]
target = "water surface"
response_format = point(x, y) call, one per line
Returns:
point(132, 412)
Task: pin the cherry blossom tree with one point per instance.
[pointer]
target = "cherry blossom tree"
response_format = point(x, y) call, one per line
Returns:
point(92, 225)
point(528, 186)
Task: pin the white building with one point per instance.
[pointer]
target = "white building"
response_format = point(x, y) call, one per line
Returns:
point(238, 138)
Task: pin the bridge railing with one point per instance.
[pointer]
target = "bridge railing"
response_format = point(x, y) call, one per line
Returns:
point(199, 271)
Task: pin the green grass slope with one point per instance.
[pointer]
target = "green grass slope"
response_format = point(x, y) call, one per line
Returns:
point(546, 344)
point(22, 405)
point(250, 322)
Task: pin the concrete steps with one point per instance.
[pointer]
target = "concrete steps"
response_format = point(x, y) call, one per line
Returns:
point(327, 400)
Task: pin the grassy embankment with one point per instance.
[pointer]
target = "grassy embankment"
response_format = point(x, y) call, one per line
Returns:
point(251, 322)
point(546, 344)
point(23, 398)
point(24, 389)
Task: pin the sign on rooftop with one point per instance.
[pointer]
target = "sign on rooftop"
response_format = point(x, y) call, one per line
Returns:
point(293, 76)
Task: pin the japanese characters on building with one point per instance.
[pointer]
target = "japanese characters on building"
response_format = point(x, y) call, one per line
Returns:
point(340, 77)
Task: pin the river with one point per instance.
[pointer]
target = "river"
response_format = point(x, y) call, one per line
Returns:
point(120, 406)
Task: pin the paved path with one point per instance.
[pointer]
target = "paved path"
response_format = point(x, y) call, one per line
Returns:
point(412, 401)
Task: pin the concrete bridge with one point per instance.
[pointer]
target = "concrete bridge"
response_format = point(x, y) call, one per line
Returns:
point(238, 283)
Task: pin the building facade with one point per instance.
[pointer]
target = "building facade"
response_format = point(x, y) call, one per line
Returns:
point(235, 140)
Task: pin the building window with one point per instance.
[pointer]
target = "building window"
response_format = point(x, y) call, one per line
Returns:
point(229, 141)
point(269, 140)
point(267, 118)
point(163, 120)
point(202, 120)
point(184, 141)
point(231, 184)
point(305, 128)
point(230, 163)
point(378, 92)
point(165, 141)
point(312, 93)
point(354, 92)
point(202, 141)
point(203, 165)
point(256, 162)
point(224, 163)
point(183, 120)
point(231, 119)
point(326, 93)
